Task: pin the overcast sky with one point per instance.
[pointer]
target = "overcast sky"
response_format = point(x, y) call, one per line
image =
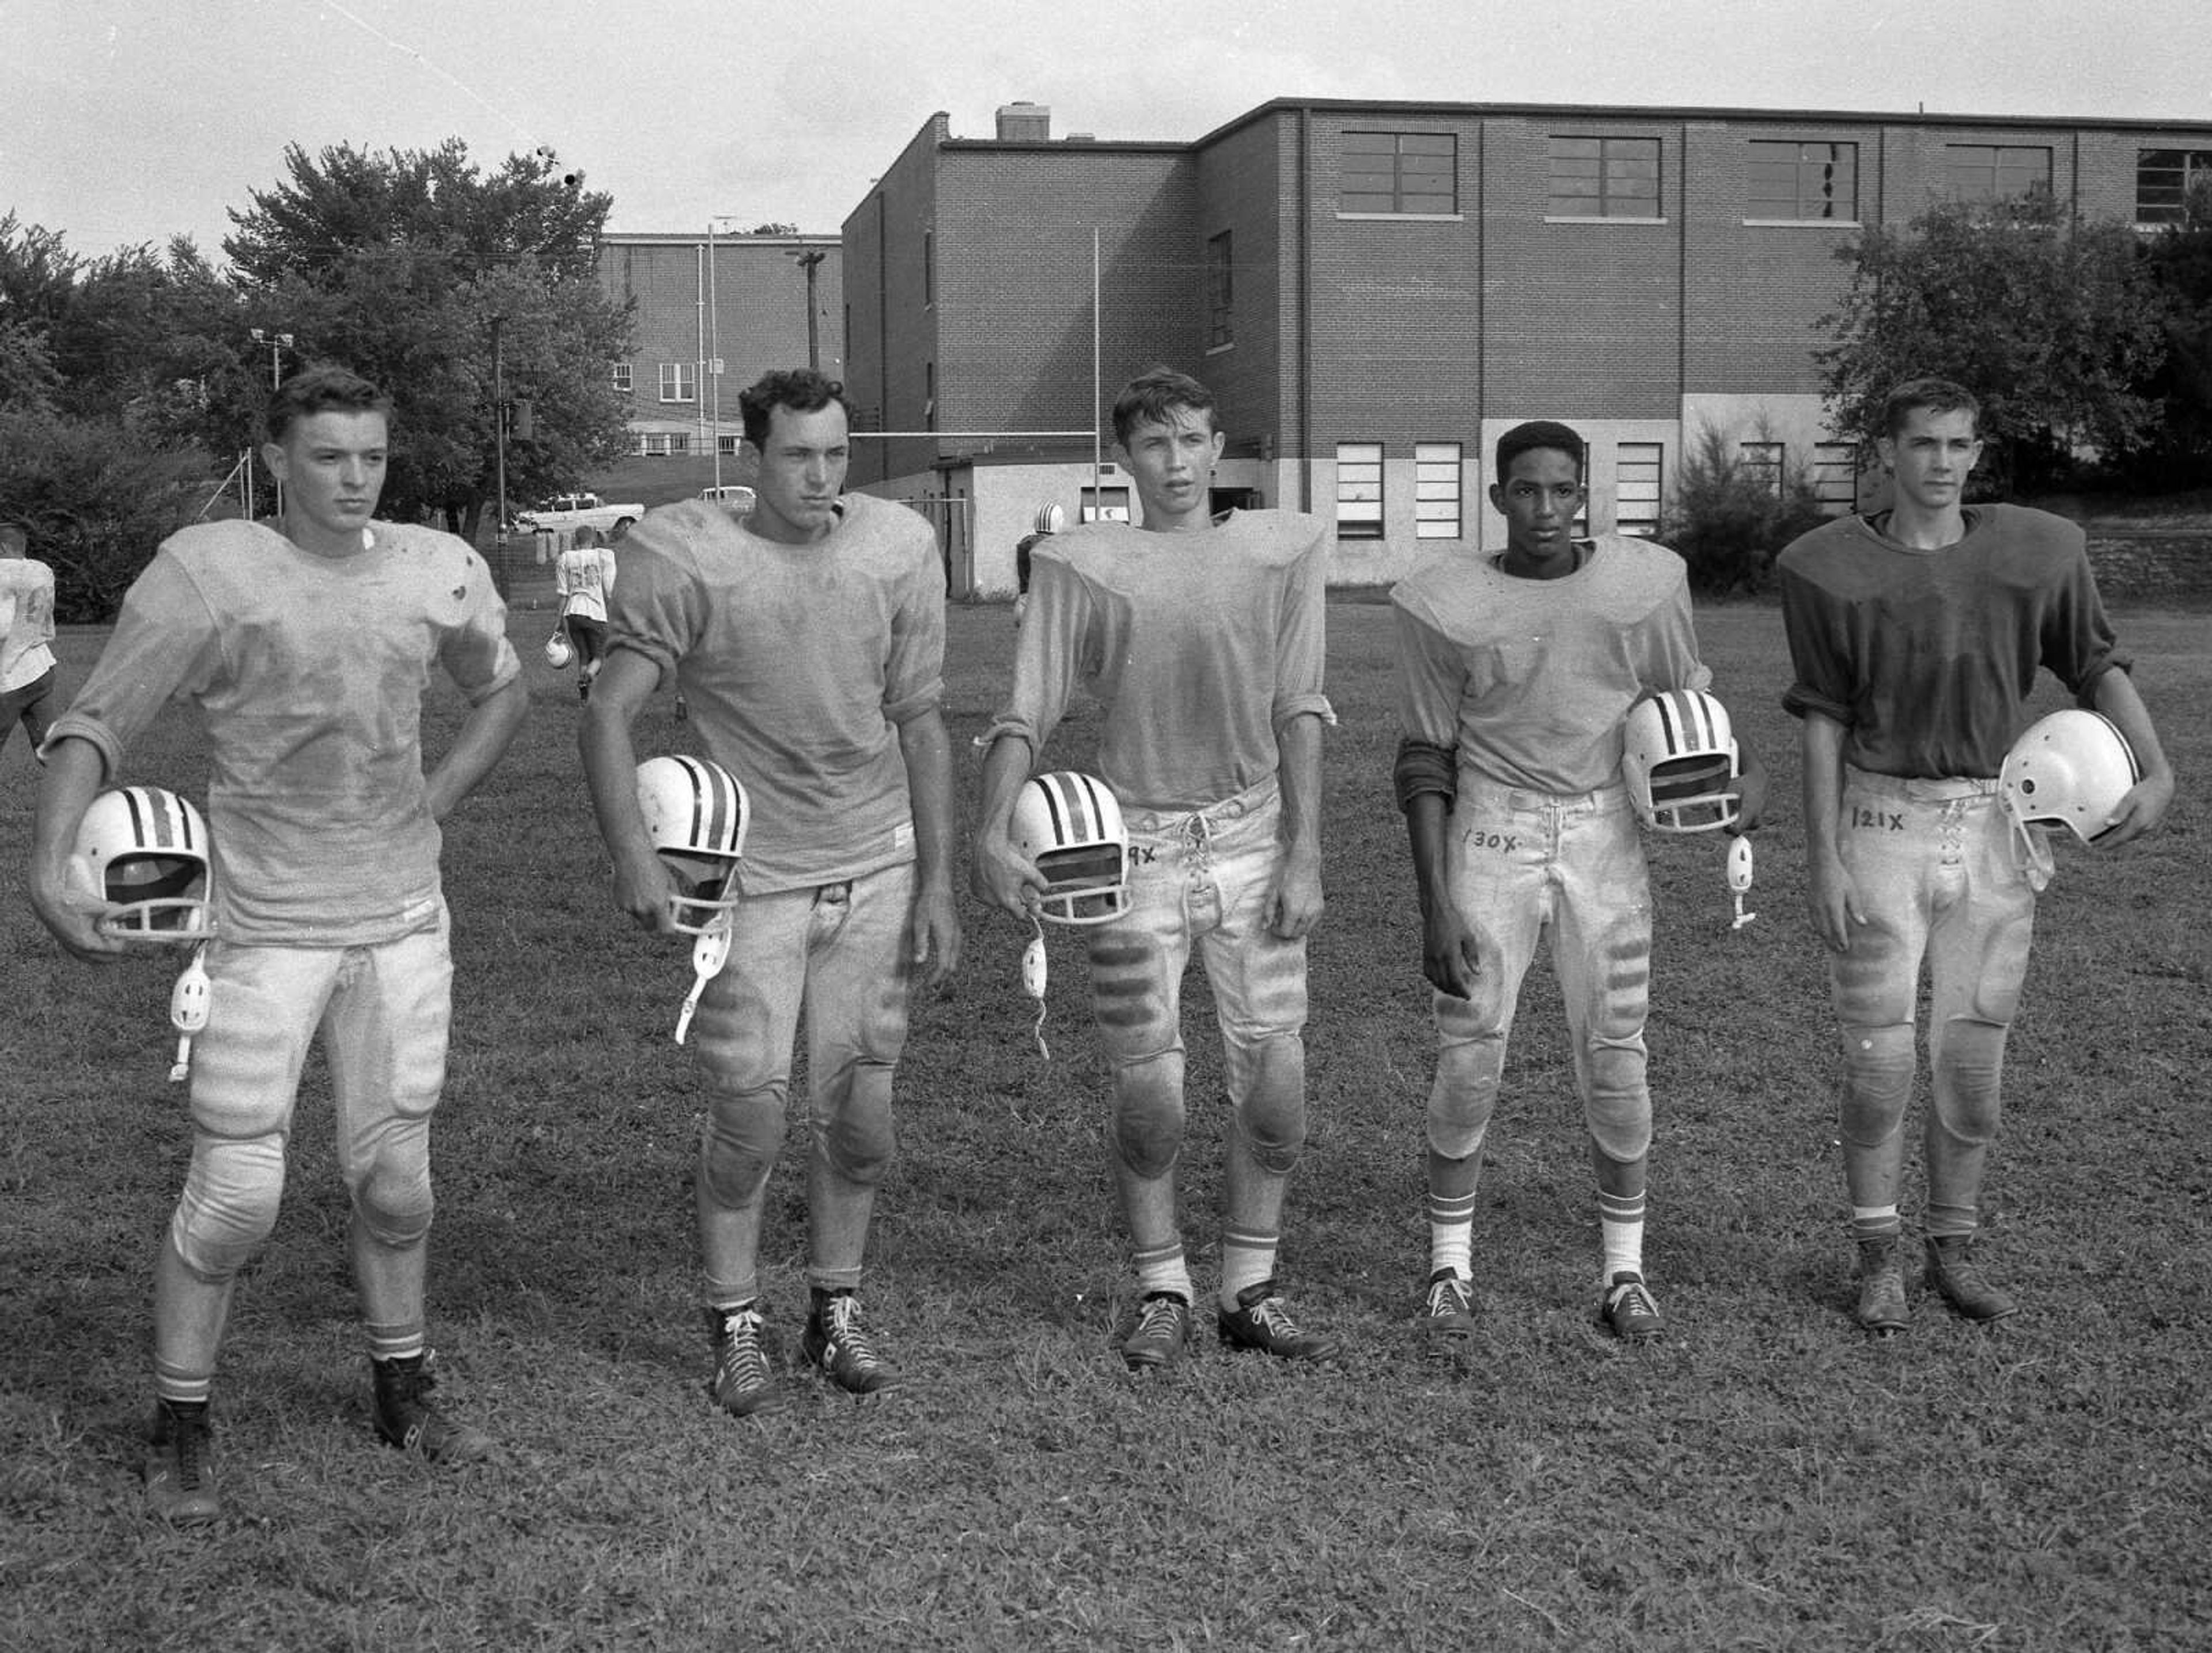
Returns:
point(129, 121)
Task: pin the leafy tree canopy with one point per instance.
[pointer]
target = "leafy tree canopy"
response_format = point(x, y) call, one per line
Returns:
point(403, 265)
point(2052, 324)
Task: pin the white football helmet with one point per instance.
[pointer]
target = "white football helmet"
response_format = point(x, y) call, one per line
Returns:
point(1678, 758)
point(145, 849)
point(696, 812)
point(1070, 825)
point(2068, 769)
point(1050, 519)
point(560, 653)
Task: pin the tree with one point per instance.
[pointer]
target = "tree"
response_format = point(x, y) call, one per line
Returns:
point(2052, 324)
point(397, 264)
point(1728, 520)
point(2180, 263)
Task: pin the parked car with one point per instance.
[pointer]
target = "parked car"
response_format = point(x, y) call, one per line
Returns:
point(574, 511)
point(734, 498)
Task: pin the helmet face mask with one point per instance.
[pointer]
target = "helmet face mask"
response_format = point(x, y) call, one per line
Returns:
point(1678, 760)
point(2069, 770)
point(695, 813)
point(145, 849)
point(1070, 826)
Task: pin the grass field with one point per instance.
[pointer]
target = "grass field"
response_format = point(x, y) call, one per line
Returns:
point(1766, 1479)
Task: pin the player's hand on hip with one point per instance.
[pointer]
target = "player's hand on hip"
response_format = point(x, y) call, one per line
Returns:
point(2140, 809)
point(1832, 896)
point(1002, 877)
point(936, 928)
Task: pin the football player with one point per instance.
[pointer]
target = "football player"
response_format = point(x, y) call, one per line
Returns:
point(1914, 636)
point(1202, 638)
point(26, 633)
point(583, 576)
point(808, 638)
point(1516, 674)
point(306, 642)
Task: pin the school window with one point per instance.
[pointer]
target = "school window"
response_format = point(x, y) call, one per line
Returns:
point(1220, 293)
point(1636, 489)
point(1399, 173)
point(1435, 491)
point(1359, 490)
point(1105, 505)
point(1836, 475)
point(2163, 180)
point(679, 382)
point(1605, 178)
point(622, 377)
point(929, 396)
point(1761, 463)
point(928, 268)
point(1995, 172)
point(725, 443)
point(1801, 182)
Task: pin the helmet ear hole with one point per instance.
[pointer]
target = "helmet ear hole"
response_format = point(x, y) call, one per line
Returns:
point(2069, 770)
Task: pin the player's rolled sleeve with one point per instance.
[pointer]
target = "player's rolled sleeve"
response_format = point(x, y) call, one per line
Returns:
point(1825, 682)
point(476, 653)
point(1301, 642)
point(914, 675)
point(164, 645)
point(1047, 655)
point(1431, 679)
point(658, 609)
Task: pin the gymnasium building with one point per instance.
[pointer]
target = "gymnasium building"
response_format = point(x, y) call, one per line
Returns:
point(1375, 291)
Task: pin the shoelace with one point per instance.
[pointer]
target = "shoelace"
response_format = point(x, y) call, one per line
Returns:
point(192, 1447)
point(1631, 1294)
point(742, 1357)
point(1447, 1298)
point(846, 1332)
point(1269, 1312)
point(1160, 1317)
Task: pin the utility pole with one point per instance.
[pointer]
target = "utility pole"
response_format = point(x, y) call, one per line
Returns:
point(274, 341)
point(809, 262)
point(499, 452)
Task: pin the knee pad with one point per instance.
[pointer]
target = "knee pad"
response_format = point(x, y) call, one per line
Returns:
point(857, 1138)
point(1878, 1070)
point(1616, 1100)
point(229, 1204)
point(742, 1138)
point(1464, 1092)
point(394, 1199)
point(1148, 1114)
point(1969, 1064)
point(1270, 1112)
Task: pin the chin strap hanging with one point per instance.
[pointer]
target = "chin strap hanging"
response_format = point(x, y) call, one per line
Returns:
point(1739, 877)
point(708, 954)
point(188, 1012)
point(1033, 983)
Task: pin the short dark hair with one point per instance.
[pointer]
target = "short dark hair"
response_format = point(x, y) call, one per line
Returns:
point(1152, 399)
point(1929, 395)
point(801, 389)
point(322, 388)
point(1537, 432)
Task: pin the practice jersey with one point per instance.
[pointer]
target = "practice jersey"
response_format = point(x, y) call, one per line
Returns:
point(582, 578)
point(1926, 657)
point(1531, 680)
point(1201, 645)
point(798, 664)
point(308, 671)
point(26, 621)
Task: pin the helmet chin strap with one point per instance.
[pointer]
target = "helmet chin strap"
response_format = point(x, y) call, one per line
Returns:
point(708, 954)
point(188, 1012)
point(1739, 878)
point(1033, 982)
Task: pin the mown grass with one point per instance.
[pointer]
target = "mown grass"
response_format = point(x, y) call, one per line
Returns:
point(1764, 1480)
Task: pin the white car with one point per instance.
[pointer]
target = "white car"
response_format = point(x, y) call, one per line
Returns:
point(734, 498)
point(574, 511)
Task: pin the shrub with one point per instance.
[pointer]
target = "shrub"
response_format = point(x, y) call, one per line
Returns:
point(1729, 520)
point(95, 500)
